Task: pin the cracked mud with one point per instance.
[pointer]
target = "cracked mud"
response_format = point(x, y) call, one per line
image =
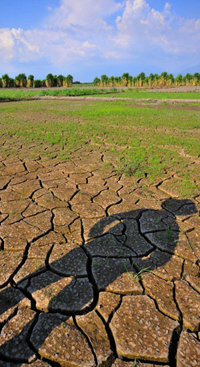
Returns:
point(94, 272)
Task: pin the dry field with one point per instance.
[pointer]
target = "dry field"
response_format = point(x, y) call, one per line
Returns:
point(99, 234)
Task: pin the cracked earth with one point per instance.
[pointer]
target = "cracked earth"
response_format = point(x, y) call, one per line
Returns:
point(95, 271)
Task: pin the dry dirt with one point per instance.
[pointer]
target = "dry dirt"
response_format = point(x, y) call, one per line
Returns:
point(75, 242)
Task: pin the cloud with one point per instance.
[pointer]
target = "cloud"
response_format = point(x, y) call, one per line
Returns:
point(82, 13)
point(144, 27)
point(105, 32)
point(88, 45)
point(6, 45)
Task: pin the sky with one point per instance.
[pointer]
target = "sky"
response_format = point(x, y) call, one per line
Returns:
point(88, 38)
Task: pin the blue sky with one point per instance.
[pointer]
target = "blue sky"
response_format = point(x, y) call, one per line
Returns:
point(88, 38)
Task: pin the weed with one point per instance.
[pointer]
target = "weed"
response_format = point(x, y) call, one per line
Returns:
point(130, 270)
point(138, 142)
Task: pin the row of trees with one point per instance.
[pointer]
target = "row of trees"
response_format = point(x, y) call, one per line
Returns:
point(153, 80)
point(22, 81)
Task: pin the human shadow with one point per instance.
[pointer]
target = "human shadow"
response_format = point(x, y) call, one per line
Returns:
point(70, 286)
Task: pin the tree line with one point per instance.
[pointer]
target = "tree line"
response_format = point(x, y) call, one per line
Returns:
point(153, 80)
point(126, 80)
point(22, 81)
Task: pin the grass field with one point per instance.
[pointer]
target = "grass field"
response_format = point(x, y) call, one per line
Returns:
point(141, 141)
point(20, 94)
point(155, 95)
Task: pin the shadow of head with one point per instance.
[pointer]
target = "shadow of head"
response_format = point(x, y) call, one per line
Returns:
point(148, 237)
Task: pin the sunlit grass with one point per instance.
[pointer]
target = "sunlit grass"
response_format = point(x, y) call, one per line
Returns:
point(141, 141)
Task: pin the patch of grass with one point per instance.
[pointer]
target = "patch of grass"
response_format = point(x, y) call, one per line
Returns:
point(144, 142)
point(7, 95)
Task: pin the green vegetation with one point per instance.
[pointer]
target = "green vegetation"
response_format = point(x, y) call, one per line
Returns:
point(21, 81)
point(146, 143)
point(140, 94)
point(126, 80)
point(11, 95)
point(153, 80)
point(17, 94)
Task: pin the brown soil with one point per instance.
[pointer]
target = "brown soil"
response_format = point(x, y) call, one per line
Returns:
point(74, 243)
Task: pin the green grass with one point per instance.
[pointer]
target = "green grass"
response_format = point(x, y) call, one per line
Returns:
point(154, 95)
point(20, 94)
point(141, 142)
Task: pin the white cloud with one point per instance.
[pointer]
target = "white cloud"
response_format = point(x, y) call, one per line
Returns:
point(82, 13)
point(80, 30)
point(6, 45)
point(143, 27)
point(88, 45)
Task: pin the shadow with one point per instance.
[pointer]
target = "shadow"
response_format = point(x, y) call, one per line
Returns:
point(121, 243)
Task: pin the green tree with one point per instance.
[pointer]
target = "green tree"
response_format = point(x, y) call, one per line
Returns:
point(170, 79)
point(60, 79)
point(49, 81)
point(11, 83)
point(17, 82)
point(196, 79)
point(125, 79)
point(21, 80)
point(69, 80)
point(163, 79)
point(130, 81)
point(179, 79)
point(188, 79)
point(55, 81)
point(151, 80)
point(141, 77)
point(30, 81)
point(104, 80)
point(5, 81)
point(112, 81)
point(96, 82)
point(37, 83)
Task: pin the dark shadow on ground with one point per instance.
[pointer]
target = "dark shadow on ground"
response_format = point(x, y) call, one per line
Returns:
point(115, 242)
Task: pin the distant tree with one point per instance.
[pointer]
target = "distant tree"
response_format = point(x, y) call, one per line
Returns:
point(156, 80)
point(5, 81)
point(60, 80)
point(196, 79)
point(197, 76)
point(96, 82)
point(21, 81)
point(11, 83)
point(30, 81)
point(0, 83)
point(49, 81)
point(130, 81)
point(37, 83)
point(188, 78)
point(104, 80)
point(112, 81)
point(135, 81)
point(55, 80)
point(17, 82)
point(125, 79)
point(179, 79)
point(170, 80)
point(141, 77)
point(151, 80)
point(69, 80)
point(163, 79)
